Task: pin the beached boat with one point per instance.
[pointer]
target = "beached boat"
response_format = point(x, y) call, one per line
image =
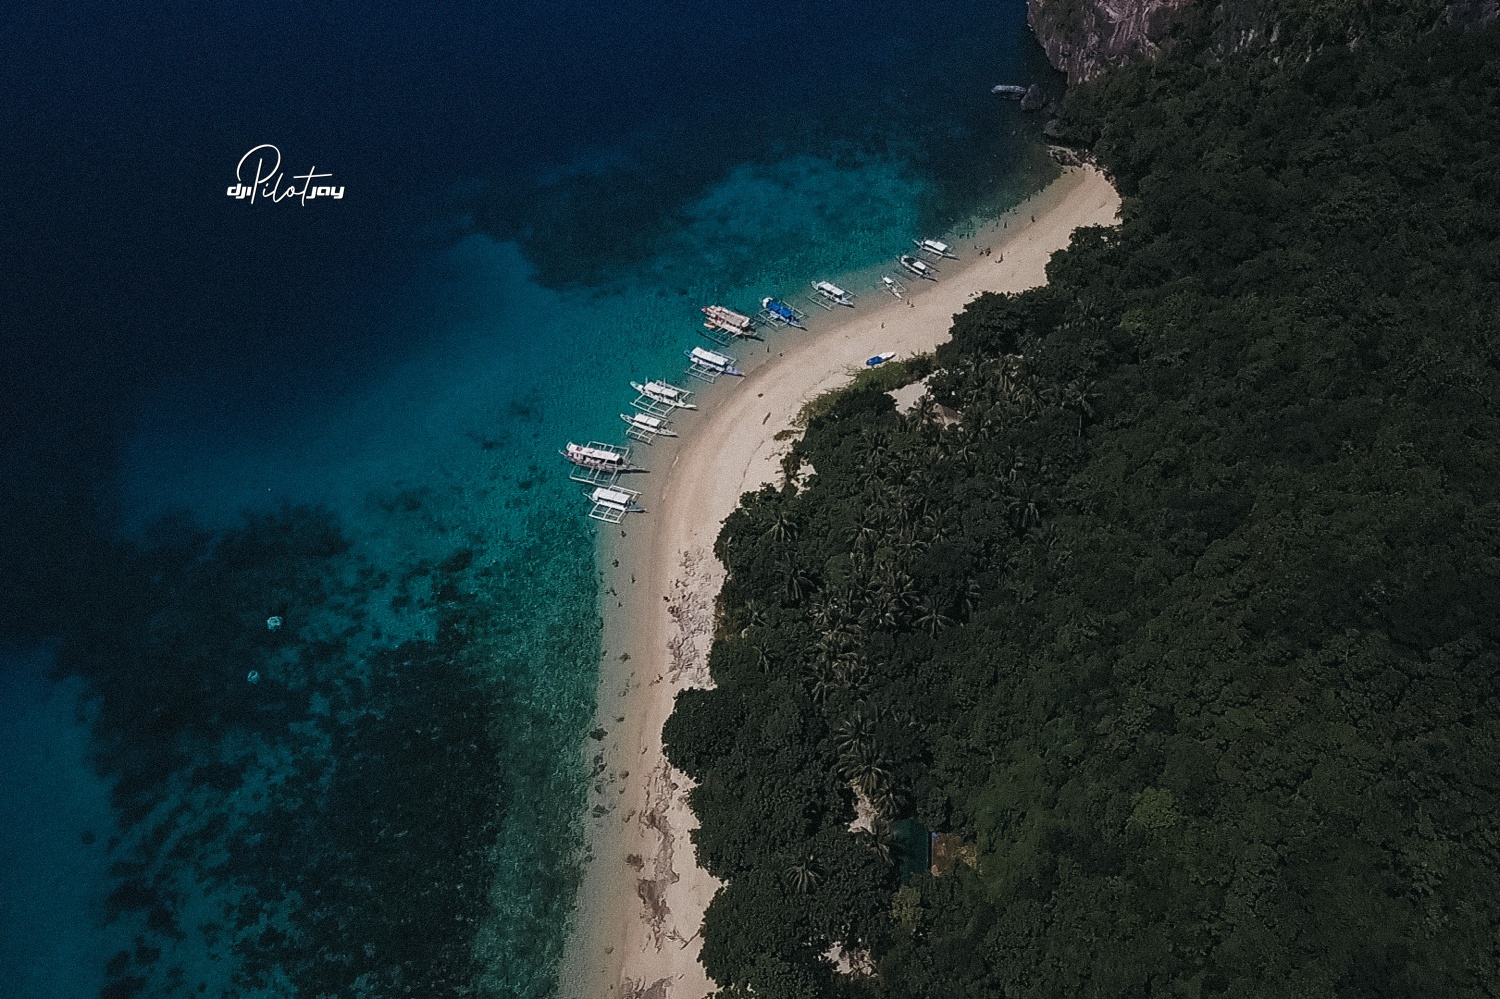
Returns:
point(778, 313)
point(935, 247)
point(917, 267)
point(597, 462)
point(893, 286)
point(708, 365)
point(718, 317)
point(880, 359)
point(662, 394)
point(827, 295)
point(611, 503)
point(1009, 90)
point(646, 428)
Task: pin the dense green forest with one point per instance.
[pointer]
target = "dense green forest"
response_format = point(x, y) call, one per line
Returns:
point(1190, 623)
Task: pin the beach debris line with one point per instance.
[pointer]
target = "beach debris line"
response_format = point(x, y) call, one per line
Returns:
point(778, 313)
point(826, 295)
point(646, 428)
point(893, 286)
point(935, 248)
point(708, 365)
point(917, 267)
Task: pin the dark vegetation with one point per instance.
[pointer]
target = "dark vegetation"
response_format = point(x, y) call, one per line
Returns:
point(1190, 624)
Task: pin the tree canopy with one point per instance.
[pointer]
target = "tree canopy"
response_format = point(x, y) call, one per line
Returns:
point(1190, 622)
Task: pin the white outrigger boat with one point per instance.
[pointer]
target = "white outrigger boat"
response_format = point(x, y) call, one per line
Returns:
point(1010, 90)
point(893, 286)
point(645, 427)
point(708, 365)
point(611, 503)
point(597, 463)
point(917, 267)
point(827, 295)
point(660, 398)
point(937, 248)
point(778, 313)
point(723, 324)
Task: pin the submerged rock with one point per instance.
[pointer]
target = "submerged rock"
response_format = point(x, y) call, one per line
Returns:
point(1034, 99)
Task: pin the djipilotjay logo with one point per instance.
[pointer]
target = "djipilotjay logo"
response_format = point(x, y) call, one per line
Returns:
point(259, 176)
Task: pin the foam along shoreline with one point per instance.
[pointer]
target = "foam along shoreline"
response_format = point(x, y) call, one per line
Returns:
point(642, 896)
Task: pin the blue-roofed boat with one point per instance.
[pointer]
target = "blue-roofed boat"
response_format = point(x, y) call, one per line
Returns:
point(781, 314)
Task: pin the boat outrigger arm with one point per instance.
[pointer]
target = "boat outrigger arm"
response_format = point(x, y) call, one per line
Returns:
point(646, 428)
point(778, 313)
point(708, 365)
point(666, 393)
point(598, 463)
point(917, 267)
point(827, 294)
point(717, 317)
point(935, 247)
point(612, 503)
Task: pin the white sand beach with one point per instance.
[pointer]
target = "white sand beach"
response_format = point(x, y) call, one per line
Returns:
point(642, 899)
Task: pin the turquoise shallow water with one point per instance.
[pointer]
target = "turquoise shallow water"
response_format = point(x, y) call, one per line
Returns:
point(382, 795)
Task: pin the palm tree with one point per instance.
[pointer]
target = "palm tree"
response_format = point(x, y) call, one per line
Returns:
point(794, 582)
point(805, 874)
point(1078, 396)
point(784, 527)
point(929, 617)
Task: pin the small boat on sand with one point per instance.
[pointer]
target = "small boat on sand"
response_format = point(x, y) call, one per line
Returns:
point(880, 359)
point(917, 267)
point(937, 248)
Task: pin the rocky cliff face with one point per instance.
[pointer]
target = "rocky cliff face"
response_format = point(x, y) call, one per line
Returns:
point(1085, 37)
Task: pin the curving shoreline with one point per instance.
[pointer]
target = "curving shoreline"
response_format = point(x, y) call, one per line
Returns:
point(642, 896)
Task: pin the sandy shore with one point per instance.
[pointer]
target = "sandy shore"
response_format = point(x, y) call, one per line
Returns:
point(641, 902)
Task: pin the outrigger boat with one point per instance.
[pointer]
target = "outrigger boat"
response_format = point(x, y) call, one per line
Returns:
point(708, 365)
point(780, 314)
point(1010, 90)
point(646, 428)
point(717, 317)
point(829, 295)
point(598, 463)
point(611, 503)
point(938, 249)
point(920, 268)
point(661, 398)
point(893, 286)
point(880, 359)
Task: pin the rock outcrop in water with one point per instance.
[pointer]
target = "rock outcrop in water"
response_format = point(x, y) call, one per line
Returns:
point(1085, 37)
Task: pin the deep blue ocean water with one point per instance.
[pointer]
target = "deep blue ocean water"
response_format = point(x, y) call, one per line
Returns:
point(344, 414)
